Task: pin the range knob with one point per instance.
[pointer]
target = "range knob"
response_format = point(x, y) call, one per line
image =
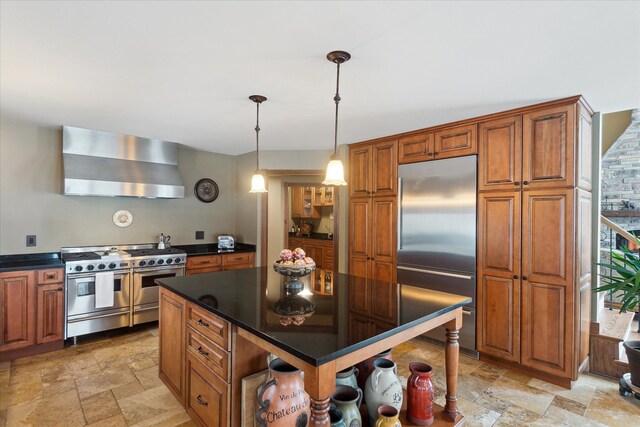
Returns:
point(112, 265)
point(78, 268)
point(169, 260)
point(151, 262)
point(160, 261)
point(177, 260)
point(101, 266)
point(142, 263)
point(90, 267)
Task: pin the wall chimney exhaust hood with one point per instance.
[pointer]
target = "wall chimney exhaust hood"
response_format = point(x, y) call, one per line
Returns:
point(107, 164)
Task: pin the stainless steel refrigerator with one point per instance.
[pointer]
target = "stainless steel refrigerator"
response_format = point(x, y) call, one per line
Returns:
point(437, 235)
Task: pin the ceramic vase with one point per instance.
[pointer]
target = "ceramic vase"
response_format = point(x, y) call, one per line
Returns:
point(335, 418)
point(382, 388)
point(365, 367)
point(420, 394)
point(348, 377)
point(347, 399)
point(388, 417)
point(282, 401)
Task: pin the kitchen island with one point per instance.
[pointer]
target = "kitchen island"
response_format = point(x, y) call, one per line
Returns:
point(217, 328)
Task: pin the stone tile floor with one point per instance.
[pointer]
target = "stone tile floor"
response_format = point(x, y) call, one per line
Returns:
point(112, 380)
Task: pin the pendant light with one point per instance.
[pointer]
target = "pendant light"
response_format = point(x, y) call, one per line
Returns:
point(257, 181)
point(335, 169)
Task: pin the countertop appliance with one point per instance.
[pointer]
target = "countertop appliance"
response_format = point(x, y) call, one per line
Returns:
point(437, 235)
point(226, 243)
point(135, 294)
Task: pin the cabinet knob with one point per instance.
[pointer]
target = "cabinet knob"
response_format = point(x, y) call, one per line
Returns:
point(515, 276)
point(201, 323)
point(200, 401)
point(60, 289)
point(525, 182)
point(517, 183)
point(524, 277)
point(51, 276)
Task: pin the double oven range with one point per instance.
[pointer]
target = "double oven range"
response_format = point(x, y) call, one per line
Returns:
point(135, 294)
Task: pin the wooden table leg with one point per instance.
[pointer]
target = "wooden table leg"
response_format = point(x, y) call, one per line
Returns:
point(319, 413)
point(451, 354)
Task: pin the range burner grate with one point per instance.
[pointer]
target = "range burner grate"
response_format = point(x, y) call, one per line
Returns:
point(80, 256)
point(154, 251)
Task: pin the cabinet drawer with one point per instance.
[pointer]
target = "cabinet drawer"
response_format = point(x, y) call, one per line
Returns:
point(207, 395)
point(209, 325)
point(204, 261)
point(209, 353)
point(192, 271)
point(232, 259)
point(50, 276)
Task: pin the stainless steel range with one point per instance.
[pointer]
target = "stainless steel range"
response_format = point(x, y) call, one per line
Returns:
point(109, 287)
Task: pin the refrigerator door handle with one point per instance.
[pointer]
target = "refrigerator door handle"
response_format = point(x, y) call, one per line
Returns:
point(439, 273)
point(399, 213)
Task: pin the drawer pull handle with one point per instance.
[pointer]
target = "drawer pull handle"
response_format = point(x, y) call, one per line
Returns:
point(201, 323)
point(59, 289)
point(202, 352)
point(205, 262)
point(51, 276)
point(200, 401)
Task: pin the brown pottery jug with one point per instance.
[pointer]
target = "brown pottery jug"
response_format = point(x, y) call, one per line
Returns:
point(420, 394)
point(282, 401)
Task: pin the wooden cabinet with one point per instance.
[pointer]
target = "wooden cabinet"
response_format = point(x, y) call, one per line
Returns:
point(296, 202)
point(415, 148)
point(18, 320)
point(50, 313)
point(373, 169)
point(302, 203)
point(321, 250)
point(173, 312)
point(207, 400)
point(219, 262)
point(455, 141)
point(323, 196)
point(534, 240)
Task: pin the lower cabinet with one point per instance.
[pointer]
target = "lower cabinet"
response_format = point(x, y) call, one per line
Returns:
point(219, 262)
point(31, 312)
point(173, 315)
point(321, 250)
point(207, 394)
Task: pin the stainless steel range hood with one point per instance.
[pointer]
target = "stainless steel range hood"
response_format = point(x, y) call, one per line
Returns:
point(107, 164)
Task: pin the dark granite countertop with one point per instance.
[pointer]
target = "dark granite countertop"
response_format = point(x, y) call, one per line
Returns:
point(30, 261)
point(317, 236)
point(248, 298)
point(212, 249)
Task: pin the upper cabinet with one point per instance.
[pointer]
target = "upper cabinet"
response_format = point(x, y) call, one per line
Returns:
point(500, 154)
point(373, 169)
point(448, 142)
point(302, 203)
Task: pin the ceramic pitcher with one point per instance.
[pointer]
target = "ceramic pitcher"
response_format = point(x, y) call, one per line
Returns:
point(420, 394)
point(382, 388)
point(388, 417)
point(365, 368)
point(282, 401)
point(348, 377)
point(335, 418)
point(347, 399)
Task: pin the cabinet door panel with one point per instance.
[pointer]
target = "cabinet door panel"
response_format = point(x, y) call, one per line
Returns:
point(499, 317)
point(17, 320)
point(385, 169)
point(297, 205)
point(207, 395)
point(500, 154)
point(456, 141)
point(547, 245)
point(499, 233)
point(360, 171)
point(359, 227)
point(359, 290)
point(50, 313)
point(546, 327)
point(415, 148)
point(583, 147)
point(172, 343)
point(383, 228)
point(548, 147)
point(384, 295)
point(359, 328)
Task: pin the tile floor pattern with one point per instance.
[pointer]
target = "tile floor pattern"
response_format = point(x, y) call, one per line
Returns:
point(112, 380)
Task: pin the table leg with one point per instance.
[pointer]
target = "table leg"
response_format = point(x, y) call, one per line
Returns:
point(451, 353)
point(319, 413)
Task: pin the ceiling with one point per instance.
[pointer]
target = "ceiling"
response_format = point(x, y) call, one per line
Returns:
point(183, 71)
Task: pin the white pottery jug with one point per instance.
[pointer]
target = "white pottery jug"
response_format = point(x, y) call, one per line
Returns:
point(382, 388)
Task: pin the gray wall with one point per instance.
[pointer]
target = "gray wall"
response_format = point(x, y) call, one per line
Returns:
point(31, 200)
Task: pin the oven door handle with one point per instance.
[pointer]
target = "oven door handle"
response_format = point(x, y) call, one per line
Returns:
point(116, 275)
point(156, 269)
point(120, 313)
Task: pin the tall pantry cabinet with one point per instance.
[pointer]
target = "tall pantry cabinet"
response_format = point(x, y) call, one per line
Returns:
point(534, 232)
point(373, 178)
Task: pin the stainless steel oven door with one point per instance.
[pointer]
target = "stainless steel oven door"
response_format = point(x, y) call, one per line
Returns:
point(81, 293)
point(146, 294)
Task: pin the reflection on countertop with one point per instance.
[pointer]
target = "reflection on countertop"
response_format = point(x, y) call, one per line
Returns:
point(212, 249)
point(318, 236)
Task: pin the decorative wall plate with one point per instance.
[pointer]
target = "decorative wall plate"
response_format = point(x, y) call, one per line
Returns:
point(122, 218)
point(206, 190)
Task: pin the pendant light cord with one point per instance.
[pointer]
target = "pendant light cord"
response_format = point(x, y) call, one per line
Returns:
point(257, 132)
point(337, 100)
